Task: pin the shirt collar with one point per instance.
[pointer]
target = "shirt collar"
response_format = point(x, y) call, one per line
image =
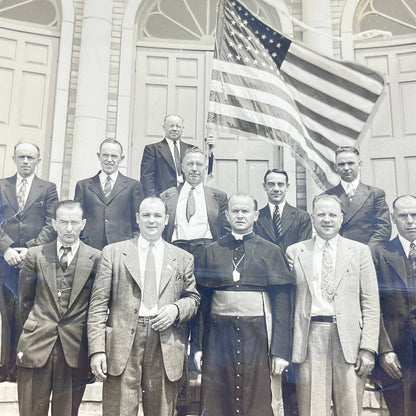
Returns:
point(144, 244)
point(405, 244)
point(74, 247)
point(29, 179)
point(353, 184)
point(243, 237)
point(187, 187)
point(320, 242)
point(170, 143)
point(281, 206)
point(113, 176)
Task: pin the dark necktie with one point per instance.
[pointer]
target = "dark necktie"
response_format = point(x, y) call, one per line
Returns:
point(64, 258)
point(277, 222)
point(327, 280)
point(22, 194)
point(177, 158)
point(190, 204)
point(412, 257)
point(107, 186)
point(150, 287)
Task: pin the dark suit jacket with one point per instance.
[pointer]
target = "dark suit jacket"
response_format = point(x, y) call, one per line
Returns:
point(112, 219)
point(216, 203)
point(296, 226)
point(118, 288)
point(39, 312)
point(366, 217)
point(157, 171)
point(396, 328)
point(33, 226)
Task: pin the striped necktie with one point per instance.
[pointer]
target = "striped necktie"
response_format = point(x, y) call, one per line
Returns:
point(190, 205)
point(277, 222)
point(107, 186)
point(21, 196)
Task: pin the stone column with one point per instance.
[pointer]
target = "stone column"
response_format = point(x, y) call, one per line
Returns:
point(92, 94)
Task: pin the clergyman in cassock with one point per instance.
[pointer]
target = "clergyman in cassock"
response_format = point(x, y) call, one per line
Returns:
point(245, 288)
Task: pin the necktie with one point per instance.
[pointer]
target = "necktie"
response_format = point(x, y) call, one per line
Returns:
point(64, 258)
point(177, 158)
point(277, 222)
point(190, 205)
point(22, 194)
point(327, 280)
point(107, 186)
point(412, 257)
point(149, 287)
point(350, 191)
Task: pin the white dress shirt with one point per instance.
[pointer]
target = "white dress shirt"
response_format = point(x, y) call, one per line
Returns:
point(321, 306)
point(103, 178)
point(281, 206)
point(158, 252)
point(179, 178)
point(350, 185)
point(29, 181)
point(198, 226)
point(71, 254)
point(406, 244)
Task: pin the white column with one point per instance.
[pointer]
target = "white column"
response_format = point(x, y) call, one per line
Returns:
point(317, 14)
point(92, 94)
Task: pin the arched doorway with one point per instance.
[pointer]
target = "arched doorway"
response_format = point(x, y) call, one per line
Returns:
point(389, 149)
point(29, 47)
point(174, 42)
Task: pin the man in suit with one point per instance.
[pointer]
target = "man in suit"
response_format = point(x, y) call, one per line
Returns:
point(142, 298)
point(27, 207)
point(366, 215)
point(161, 162)
point(280, 222)
point(54, 291)
point(337, 315)
point(196, 219)
point(284, 225)
point(396, 271)
point(109, 200)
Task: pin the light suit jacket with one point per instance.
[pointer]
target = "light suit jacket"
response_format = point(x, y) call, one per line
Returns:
point(356, 299)
point(118, 288)
point(39, 312)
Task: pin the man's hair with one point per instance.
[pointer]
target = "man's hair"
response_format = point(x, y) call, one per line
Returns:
point(275, 170)
point(113, 141)
point(152, 198)
point(23, 142)
point(240, 194)
point(193, 150)
point(69, 203)
point(171, 115)
point(347, 149)
point(326, 196)
point(401, 197)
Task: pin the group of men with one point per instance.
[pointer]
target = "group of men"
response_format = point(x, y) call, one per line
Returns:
point(253, 290)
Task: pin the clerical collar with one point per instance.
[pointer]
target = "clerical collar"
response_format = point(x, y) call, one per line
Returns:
point(243, 237)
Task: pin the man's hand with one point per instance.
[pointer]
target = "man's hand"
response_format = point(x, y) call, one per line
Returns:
point(365, 363)
point(198, 360)
point(391, 365)
point(99, 365)
point(165, 317)
point(278, 365)
point(15, 256)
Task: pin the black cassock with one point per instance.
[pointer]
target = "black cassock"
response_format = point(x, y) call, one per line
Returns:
point(236, 363)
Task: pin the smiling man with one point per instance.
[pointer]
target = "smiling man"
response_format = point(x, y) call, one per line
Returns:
point(54, 291)
point(337, 315)
point(109, 199)
point(366, 214)
point(245, 289)
point(142, 299)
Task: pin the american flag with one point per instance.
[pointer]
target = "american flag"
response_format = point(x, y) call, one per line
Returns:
point(266, 86)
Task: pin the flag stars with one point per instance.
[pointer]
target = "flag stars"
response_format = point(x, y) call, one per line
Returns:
point(246, 59)
point(274, 54)
point(238, 58)
point(229, 55)
point(271, 41)
point(240, 45)
point(263, 37)
point(278, 45)
point(233, 22)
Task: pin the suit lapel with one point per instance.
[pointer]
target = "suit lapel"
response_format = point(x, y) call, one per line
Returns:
point(83, 269)
point(35, 190)
point(10, 192)
point(168, 267)
point(211, 202)
point(266, 224)
point(131, 261)
point(344, 255)
point(48, 268)
point(395, 256)
point(96, 188)
point(357, 201)
point(288, 215)
point(166, 153)
point(306, 261)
